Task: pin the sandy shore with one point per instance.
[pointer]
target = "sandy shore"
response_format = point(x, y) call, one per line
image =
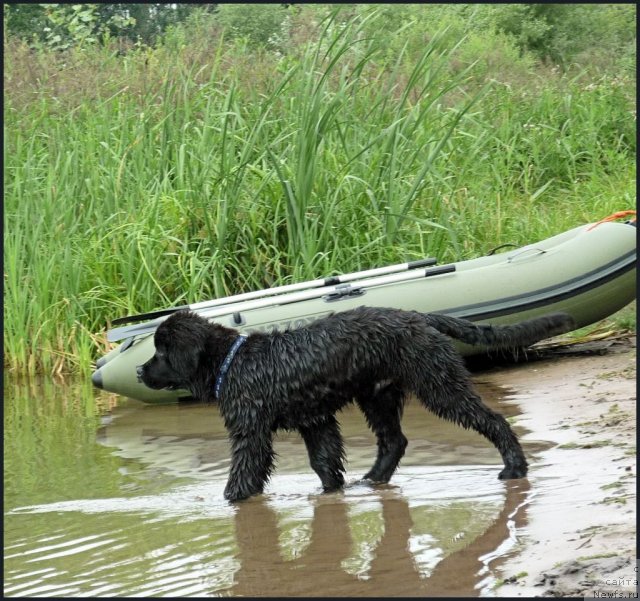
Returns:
point(578, 535)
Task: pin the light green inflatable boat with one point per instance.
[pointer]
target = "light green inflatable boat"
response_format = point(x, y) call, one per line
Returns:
point(588, 272)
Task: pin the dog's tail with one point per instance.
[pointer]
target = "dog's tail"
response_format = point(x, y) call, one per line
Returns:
point(513, 336)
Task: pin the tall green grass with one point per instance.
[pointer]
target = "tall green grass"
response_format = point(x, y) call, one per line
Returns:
point(177, 174)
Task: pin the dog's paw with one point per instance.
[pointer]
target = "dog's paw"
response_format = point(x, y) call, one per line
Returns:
point(513, 472)
point(333, 487)
point(234, 498)
point(371, 481)
point(376, 476)
point(232, 495)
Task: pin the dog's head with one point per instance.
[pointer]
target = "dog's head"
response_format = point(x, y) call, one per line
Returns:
point(183, 347)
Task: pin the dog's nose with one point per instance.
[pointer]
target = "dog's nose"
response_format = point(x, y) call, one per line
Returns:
point(139, 373)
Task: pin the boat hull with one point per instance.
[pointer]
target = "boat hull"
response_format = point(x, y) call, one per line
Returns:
point(588, 272)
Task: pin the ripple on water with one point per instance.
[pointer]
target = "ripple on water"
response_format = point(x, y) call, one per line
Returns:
point(187, 541)
point(144, 513)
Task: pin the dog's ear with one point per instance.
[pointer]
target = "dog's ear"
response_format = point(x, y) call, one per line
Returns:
point(185, 360)
point(182, 338)
point(189, 336)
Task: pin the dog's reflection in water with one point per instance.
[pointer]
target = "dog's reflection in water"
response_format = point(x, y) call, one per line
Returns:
point(393, 570)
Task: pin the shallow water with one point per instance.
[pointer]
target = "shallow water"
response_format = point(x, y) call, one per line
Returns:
point(110, 497)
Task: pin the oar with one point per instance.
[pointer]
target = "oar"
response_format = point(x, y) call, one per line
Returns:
point(320, 283)
point(336, 291)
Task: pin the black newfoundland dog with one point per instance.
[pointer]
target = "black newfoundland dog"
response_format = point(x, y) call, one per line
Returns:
point(298, 379)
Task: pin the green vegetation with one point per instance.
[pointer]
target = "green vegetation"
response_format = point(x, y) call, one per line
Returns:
point(597, 556)
point(510, 580)
point(585, 445)
point(224, 159)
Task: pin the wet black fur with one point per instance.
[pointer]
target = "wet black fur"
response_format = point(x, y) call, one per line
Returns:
point(299, 379)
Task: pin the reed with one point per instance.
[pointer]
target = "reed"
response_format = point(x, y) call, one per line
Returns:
point(169, 176)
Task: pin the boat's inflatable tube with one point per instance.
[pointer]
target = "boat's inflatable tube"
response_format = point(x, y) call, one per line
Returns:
point(588, 272)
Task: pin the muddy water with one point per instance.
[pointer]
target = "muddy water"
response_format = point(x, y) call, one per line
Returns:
point(111, 497)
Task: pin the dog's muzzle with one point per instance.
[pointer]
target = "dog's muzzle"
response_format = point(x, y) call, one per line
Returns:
point(139, 373)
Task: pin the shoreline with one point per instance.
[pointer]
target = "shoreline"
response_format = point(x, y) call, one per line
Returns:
point(579, 535)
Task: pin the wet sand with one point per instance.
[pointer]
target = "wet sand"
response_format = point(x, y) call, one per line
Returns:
point(580, 536)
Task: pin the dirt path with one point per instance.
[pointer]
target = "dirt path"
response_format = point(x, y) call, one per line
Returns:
point(579, 537)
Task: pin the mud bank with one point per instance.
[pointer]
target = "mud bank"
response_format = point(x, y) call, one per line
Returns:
point(579, 537)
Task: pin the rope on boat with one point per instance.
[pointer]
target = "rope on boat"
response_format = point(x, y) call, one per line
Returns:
point(613, 217)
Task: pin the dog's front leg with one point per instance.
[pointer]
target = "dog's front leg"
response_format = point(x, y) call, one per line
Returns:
point(251, 463)
point(326, 451)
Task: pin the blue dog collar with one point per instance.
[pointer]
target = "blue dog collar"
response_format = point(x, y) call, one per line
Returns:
point(224, 368)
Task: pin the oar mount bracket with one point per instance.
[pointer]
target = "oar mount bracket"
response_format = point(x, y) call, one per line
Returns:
point(343, 291)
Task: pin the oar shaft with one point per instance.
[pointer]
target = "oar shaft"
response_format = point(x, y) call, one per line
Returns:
point(311, 284)
point(287, 289)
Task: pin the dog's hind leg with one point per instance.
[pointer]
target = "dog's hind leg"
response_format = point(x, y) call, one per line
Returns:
point(383, 411)
point(450, 395)
point(252, 458)
point(326, 451)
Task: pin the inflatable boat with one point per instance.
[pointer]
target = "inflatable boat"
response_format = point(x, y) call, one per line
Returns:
point(588, 272)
